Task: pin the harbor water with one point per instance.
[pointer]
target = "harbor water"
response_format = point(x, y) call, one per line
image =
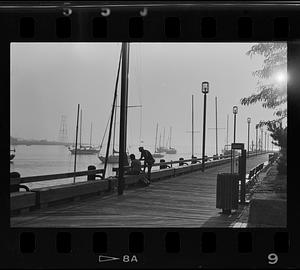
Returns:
point(36, 160)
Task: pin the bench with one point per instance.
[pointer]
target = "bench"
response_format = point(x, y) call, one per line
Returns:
point(47, 195)
point(22, 200)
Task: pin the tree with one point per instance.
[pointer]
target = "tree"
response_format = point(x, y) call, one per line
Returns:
point(272, 93)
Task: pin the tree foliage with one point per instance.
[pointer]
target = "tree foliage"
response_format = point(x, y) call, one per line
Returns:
point(270, 92)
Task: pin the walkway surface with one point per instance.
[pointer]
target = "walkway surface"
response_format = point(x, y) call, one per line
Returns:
point(188, 200)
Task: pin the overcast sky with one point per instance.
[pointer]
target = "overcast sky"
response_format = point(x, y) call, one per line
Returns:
point(48, 80)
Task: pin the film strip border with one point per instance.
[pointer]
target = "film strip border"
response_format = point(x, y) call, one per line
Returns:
point(164, 247)
point(154, 23)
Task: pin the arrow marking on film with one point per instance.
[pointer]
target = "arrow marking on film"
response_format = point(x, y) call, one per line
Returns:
point(107, 258)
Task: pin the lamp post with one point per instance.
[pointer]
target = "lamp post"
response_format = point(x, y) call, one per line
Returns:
point(256, 127)
point(248, 121)
point(205, 89)
point(235, 111)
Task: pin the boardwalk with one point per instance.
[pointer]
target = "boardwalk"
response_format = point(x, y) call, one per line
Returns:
point(184, 201)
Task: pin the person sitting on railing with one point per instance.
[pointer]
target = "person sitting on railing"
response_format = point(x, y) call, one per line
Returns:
point(148, 160)
point(135, 166)
point(135, 169)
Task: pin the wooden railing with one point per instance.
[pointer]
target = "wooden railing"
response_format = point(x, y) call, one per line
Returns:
point(181, 162)
point(99, 172)
point(39, 178)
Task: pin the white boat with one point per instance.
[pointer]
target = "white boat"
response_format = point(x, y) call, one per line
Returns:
point(171, 150)
point(84, 150)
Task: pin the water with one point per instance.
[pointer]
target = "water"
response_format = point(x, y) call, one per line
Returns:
point(52, 159)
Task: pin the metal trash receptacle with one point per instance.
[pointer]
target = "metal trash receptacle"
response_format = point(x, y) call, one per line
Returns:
point(227, 191)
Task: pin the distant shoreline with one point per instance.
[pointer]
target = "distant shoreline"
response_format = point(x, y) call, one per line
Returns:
point(14, 141)
point(28, 143)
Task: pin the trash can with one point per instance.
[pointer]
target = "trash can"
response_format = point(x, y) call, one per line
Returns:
point(227, 192)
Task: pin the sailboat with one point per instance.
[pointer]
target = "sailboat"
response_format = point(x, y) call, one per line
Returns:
point(156, 154)
point(171, 150)
point(161, 148)
point(84, 149)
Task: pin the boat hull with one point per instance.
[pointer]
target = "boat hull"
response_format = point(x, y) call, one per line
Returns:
point(111, 159)
point(84, 151)
point(161, 150)
point(157, 155)
point(171, 151)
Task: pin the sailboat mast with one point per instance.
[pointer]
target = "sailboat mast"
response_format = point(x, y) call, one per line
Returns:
point(91, 135)
point(76, 142)
point(170, 137)
point(192, 126)
point(155, 147)
point(159, 140)
point(164, 137)
point(216, 126)
point(80, 128)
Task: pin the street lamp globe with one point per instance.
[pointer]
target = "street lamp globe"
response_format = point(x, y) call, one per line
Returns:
point(235, 109)
point(205, 87)
point(248, 120)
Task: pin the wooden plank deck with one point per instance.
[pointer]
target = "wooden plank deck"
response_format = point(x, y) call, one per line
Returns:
point(185, 201)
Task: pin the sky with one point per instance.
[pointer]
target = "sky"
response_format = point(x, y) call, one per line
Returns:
point(48, 80)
